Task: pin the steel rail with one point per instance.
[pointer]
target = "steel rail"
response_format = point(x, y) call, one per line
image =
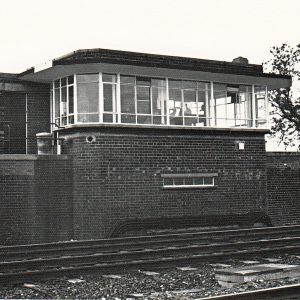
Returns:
point(143, 241)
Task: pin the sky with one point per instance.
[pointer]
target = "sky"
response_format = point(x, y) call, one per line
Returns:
point(34, 31)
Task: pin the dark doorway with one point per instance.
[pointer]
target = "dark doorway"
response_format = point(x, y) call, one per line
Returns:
point(12, 123)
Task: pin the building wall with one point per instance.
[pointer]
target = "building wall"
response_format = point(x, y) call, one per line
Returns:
point(38, 115)
point(13, 106)
point(283, 173)
point(35, 198)
point(118, 176)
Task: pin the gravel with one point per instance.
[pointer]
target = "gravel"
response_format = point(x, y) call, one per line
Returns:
point(175, 283)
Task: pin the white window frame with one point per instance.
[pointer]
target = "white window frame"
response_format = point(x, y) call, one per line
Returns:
point(189, 176)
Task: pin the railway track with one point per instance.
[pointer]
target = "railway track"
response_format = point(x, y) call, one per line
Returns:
point(39, 261)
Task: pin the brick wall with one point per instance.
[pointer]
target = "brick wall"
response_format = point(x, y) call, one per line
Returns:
point(118, 176)
point(38, 115)
point(283, 170)
point(35, 198)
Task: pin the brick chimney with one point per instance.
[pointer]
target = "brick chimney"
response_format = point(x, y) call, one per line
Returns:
point(241, 60)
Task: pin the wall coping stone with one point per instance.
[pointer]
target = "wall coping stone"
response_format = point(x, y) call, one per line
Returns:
point(164, 127)
point(33, 157)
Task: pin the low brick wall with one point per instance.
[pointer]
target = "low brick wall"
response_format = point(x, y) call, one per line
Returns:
point(283, 187)
point(118, 176)
point(36, 198)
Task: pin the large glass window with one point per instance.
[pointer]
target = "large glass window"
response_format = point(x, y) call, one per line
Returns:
point(118, 98)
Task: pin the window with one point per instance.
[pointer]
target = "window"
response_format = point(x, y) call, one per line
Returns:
point(109, 98)
point(201, 180)
point(63, 103)
point(128, 99)
point(88, 98)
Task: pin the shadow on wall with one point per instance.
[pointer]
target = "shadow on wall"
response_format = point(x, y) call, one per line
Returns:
point(143, 226)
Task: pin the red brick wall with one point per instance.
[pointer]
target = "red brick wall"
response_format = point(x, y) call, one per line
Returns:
point(119, 175)
point(36, 198)
point(283, 187)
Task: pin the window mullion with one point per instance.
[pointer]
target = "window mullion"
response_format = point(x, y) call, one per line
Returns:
point(118, 95)
point(101, 100)
point(75, 100)
point(253, 107)
point(168, 102)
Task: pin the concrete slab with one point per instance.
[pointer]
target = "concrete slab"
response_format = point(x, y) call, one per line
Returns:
point(150, 273)
point(272, 260)
point(231, 276)
point(112, 276)
point(186, 269)
point(220, 266)
point(250, 262)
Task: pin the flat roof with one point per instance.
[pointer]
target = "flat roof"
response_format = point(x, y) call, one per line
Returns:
point(76, 60)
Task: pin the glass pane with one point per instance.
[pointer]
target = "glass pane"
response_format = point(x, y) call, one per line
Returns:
point(142, 93)
point(190, 121)
point(174, 83)
point(71, 79)
point(159, 101)
point(127, 79)
point(175, 103)
point(168, 181)
point(109, 95)
point(190, 104)
point(245, 109)
point(198, 181)
point(86, 118)
point(158, 82)
point(109, 78)
point(176, 120)
point(260, 93)
point(189, 84)
point(188, 181)
point(159, 120)
point(71, 119)
point(108, 118)
point(63, 81)
point(57, 83)
point(145, 81)
point(71, 99)
point(220, 109)
point(208, 180)
point(64, 94)
point(128, 119)
point(178, 181)
point(87, 78)
point(143, 107)
point(64, 120)
point(127, 99)
point(88, 97)
point(63, 108)
point(203, 98)
point(144, 120)
point(203, 86)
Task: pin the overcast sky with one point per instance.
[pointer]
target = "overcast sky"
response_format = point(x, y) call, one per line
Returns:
point(34, 31)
